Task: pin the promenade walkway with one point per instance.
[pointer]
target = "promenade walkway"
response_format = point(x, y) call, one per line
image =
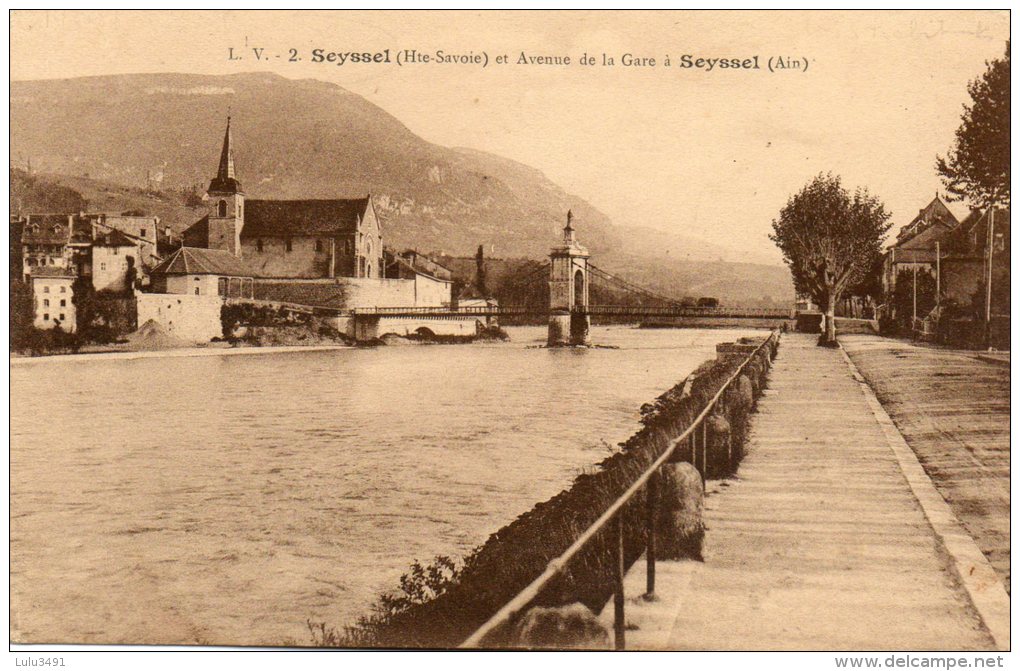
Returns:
point(820, 542)
point(953, 409)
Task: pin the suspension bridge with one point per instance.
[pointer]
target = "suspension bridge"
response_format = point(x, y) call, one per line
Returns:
point(573, 281)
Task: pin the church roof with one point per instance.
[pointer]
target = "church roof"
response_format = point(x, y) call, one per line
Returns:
point(197, 261)
point(283, 218)
point(225, 180)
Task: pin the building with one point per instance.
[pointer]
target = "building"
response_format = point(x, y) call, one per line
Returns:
point(66, 240)
point(52, 292)
point(964, 264)
point(44, 242)
point(114, 265)
point(299, 239)
point(202, 272)
point(918, 243)
point(433, 284)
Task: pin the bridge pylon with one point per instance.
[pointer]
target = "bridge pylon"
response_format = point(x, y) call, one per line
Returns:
point(569, 321)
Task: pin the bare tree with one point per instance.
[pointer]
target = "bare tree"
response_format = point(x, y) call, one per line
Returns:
point(830, 239)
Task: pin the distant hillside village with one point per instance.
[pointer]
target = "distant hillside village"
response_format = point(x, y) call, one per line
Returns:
point(129, 270)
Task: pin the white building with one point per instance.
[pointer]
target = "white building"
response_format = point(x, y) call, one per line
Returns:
point(52, 291)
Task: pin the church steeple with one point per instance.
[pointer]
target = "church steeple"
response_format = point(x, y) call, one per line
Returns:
point(225, 182)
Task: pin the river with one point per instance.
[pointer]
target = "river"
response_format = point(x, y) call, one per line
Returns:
point(230, 499)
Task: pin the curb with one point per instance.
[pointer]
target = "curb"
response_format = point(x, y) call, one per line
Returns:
point(986, 591)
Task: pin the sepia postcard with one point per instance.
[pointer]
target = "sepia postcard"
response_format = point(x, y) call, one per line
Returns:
point(511, 330)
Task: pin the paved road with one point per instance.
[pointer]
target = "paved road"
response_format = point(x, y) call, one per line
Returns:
point(818, 544)
point(953, 410)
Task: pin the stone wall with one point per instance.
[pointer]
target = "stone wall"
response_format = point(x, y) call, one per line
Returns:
point(185, 316)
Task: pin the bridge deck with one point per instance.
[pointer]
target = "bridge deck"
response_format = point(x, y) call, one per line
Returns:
point(818, 544)
point(636, 311)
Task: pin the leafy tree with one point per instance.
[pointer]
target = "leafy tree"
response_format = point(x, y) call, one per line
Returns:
point(830, 239)
point(977, 167)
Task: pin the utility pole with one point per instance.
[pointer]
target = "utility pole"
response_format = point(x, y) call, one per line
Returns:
point(938, 276)
point(914, 264)
point(988, 282)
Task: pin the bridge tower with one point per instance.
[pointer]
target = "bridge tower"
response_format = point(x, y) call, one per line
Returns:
point(569, 321)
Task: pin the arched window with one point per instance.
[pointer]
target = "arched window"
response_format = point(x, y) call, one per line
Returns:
point(221, 209)
point(578, 289)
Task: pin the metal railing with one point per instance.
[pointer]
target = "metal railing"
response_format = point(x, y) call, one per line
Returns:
point(614, 514)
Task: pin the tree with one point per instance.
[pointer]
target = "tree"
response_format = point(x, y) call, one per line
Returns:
point(977, 167)
point(480, 271)
point(830, 239)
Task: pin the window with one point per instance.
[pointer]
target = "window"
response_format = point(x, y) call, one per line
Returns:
point(46, 290)
point(63, 290)
point(318, 245)
point(258, 244)
point(46, 302)
point(30, 261)
point(63, 303)
point(61, 316)
point(116, 250)
point(197, 291)
point(141, 233)
point(221, 209)
point(102, 266)
point(46, 317)
point(290, 246)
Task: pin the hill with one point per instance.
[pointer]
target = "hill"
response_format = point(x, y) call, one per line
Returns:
point(159, 135)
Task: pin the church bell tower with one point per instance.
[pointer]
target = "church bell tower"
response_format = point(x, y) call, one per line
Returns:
point(226, 202)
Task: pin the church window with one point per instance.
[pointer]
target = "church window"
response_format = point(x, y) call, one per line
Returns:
point(221, 209)
point(290, 245)
point(258, 244)
point(318, 245)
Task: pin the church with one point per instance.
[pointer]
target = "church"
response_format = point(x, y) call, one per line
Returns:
point(288, 239)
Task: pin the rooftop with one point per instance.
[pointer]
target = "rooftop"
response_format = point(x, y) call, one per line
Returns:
point(198, 261)
point(281, 218)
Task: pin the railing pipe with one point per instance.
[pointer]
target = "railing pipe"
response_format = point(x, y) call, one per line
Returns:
point(557, 565)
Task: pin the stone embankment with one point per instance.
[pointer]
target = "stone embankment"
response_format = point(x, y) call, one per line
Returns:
point(441, 607)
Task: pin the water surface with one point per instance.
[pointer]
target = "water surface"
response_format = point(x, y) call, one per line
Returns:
point(229, 499)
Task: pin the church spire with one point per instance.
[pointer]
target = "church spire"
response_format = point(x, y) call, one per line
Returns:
point(226, 170)
point(225, 181)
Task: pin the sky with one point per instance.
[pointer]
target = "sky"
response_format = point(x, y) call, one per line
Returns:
point(709, 154)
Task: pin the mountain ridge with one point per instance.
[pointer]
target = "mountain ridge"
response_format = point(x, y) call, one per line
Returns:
point(311, 139)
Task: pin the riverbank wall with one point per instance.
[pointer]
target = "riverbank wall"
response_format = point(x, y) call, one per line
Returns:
point(442, 603)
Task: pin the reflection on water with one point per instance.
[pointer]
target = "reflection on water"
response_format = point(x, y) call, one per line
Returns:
point(229, 499)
